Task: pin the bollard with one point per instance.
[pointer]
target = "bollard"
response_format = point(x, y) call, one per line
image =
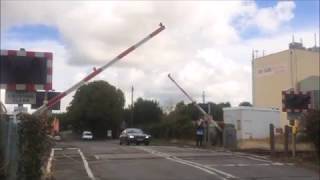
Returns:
point(286, 140)
point(272, 143)
point(294, 132)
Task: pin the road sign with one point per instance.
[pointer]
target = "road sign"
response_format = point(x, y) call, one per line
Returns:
point(20, 109)
point(20, 97)
point(40, 98)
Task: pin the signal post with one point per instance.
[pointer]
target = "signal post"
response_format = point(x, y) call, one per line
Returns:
point(295, 103)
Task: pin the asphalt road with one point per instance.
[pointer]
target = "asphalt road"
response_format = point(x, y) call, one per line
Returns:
point(107, 160)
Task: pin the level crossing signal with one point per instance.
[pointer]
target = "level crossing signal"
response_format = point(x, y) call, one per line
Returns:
point(296, 101)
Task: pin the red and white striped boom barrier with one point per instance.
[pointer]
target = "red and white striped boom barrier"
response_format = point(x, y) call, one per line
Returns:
point(95, 72)
point(195, 103)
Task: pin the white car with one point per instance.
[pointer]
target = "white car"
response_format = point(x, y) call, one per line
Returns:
point(87, 135)
point(57, 138)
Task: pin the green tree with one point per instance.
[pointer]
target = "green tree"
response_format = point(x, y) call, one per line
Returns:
point(33, 146)
point(178, 123)
point(190, 111)
point(97, 106)
point(126, 117)
point(146, 112)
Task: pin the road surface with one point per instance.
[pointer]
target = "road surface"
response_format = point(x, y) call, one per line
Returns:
point(107, 160)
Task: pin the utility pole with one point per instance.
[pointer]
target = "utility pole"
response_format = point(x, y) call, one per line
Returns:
point(253, 78)
point(293, 143)
point(256, 51)
point(132, 89)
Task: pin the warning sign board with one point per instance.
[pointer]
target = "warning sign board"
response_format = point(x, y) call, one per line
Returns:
point(20, 97)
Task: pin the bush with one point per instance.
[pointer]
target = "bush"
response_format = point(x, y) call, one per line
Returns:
point(171, 130)
point(313, 129)
point(33, 145)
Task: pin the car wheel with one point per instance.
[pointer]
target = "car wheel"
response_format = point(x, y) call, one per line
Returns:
point(128, 143)
point(120, 143)
point(146, 143)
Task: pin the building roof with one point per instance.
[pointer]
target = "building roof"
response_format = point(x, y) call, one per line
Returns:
point(314, 49)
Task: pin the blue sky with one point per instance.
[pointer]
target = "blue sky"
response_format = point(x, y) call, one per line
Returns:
point(306, 16)
point(34, 32)
point(306, 12)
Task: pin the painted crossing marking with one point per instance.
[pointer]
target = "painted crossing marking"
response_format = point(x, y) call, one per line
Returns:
point(277, 164)
point(61, 149)
point(245, 165)
point(256, 159)
point(97, 157)
point(86, 165)
point(84, 160)
point(167, 156)
point(49, 165)
point(210, 170)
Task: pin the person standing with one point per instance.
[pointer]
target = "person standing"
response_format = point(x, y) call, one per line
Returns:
point(199, 133)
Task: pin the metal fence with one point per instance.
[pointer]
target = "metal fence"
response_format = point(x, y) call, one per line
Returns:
point(8, 147)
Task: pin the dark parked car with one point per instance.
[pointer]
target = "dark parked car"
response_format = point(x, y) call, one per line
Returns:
point(134, 135)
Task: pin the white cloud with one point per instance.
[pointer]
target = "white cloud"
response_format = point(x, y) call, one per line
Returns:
point(268, 19)
point(201, 46)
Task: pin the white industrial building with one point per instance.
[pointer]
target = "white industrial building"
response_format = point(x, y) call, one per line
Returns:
point(251, 122)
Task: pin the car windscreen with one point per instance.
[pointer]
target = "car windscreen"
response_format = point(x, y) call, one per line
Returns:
point(134, 131)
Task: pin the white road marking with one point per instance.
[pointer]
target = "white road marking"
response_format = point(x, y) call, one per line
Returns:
point(211, 168)
point(202, 167)
point(257, 159)
point(50, 161)
point(262, 159)
point(72, 148)
point(86, 165)
point(278, 164)
point(243, 165)
point(97, 157)
point(237, 165)
point(262, 164)
point(57, 149)
point(251, 155)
